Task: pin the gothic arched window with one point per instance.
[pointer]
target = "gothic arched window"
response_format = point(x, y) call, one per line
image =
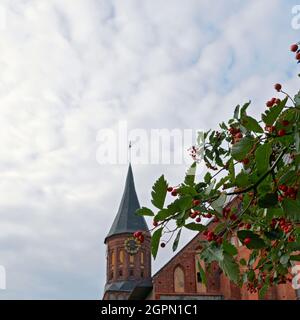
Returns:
point(121, 256)
point(178, 279)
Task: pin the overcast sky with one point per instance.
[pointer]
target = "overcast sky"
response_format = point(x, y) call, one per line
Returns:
point(69, 68)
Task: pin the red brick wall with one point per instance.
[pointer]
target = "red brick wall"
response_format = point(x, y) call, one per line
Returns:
point(218, 284)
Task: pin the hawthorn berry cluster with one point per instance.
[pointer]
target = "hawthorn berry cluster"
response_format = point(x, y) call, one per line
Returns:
point(286, 192)
point(285, 225)
point(295, 48)
point(236, 134)
point(211, 236)
point(139, 236)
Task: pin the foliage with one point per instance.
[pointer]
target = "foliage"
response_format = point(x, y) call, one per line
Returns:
point(256, 163)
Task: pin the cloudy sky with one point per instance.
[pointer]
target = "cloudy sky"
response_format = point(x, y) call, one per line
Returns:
point(70, 68)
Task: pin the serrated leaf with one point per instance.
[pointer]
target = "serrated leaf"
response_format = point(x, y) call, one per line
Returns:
point(229, 248)
point(291, 209)
point(268, 200)
point(271, 116)
point(230, 268)
point(262, 157)
point(236, 112)
point(159, 192)
point(163, 214)
point(256, 241)
point(176, 241)
point(144, 212)
point(244, 108)
point(263, 291)
point(240, 149)
point(295, 257)
point(155, 239)
point(195, 226)
point(190, 175)
point(219, 203)
point(202, 273)
point(251, 124)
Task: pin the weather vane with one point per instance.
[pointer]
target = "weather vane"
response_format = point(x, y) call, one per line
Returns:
point(129, 151)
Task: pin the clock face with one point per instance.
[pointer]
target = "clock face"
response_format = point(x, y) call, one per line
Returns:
point(132, 245)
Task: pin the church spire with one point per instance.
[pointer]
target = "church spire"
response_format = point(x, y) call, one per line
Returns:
point(126, 221)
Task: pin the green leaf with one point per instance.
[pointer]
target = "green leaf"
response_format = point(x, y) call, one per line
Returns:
point(219, 203)
point(244, 108)
point(240, 149)
point(295, 257)
point(291, 209)
point(236, 112)
point(163, 214)
point(242, 179)
point(159, 192)
point(207, 177)
point(230, 268)
point(176, 241)
point(256, 241)
point(271, 115)
point(195, 226)
point(184, 203)
point(293, 246)
point(263, 291)
point(243, 262)
point(289, 177)
point(190, 175)
point(229, 248)
point(251, 124)
point(262, 157)
point(284, 259)
point(155, 239)
point(202, 273)
point(144, 212)
point(269, 200)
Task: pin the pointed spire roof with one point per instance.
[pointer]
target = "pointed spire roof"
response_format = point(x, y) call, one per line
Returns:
point(126, 221)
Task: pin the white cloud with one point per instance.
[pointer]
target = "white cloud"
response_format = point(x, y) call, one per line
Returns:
point(70, 68)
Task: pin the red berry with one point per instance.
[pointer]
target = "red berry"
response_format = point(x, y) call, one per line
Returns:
point(162, 244)
point(193, 215)
point(141, 238)
point(170, 189)
point(280, 198)
point(281, 133)
point(245, 161)
point(216, 219)
point(294, 47)
point(283, 188)
point(248, 226)
point(247, 241)
point(241, 224)
point(137, 234)
point(205, 233)
point(269, 104)
point(219, 240)
point(233, 217)
point(239, 135)
point(285, 123)
point(155, 223)
point(208, 215)
point(277, 101)
point(298, 56)
point(198, 219)
point(196, 202)
point(277, 86)
point(174, 193)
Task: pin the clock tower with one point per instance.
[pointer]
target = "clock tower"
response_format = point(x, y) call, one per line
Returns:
point(128, 266)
